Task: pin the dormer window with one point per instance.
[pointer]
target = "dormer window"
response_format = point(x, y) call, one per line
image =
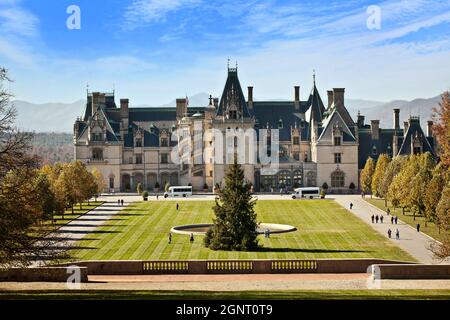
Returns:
point(337, 141)
point(280, 124)
point(138, 143)
point(232, 114)
point(296, 140)
point(97, 154)
point(374, 150)
point(97, 136)
point(152, 128)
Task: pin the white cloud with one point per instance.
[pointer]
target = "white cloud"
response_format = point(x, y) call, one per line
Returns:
point(142, 12)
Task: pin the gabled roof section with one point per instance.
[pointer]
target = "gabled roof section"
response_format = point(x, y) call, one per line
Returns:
point(414, 129)
point(335, 119)
point(233, 95)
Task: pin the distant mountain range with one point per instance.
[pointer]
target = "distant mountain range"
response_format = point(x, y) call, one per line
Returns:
point(59, 117)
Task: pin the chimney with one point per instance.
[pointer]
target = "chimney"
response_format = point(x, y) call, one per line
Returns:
point(124, 107)
point(338, 96)
point(250, 98)
point(406, 125)
point(396, 119)
point(375, 128)
point(429, 128)
point(297, 97)
point(181, 107)
point(360, 120)
point(330, 98)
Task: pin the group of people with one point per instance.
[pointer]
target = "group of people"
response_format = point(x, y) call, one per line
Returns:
point(120, 202)
point(376, 218)
point(397, 234)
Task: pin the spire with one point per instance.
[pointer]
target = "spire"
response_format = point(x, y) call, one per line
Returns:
point(314, 77)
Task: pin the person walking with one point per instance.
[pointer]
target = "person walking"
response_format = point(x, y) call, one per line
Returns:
point(192, 238)
point(170, 237)
point(392, 220)
point(157, 196)
point(351, 206)
point(381, 219)
point(177, 206)
point(118, 202)
point(376, 218)
point(396, 219)
point(389, 233)
point(121, 201)
point(397, 234)
point(373, 218)
point(388, 211)
point(418, 227)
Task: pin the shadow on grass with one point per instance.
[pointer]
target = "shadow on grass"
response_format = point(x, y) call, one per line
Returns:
point(88, 232)
point(264, 249)
point(90, 225)
point(63, 239)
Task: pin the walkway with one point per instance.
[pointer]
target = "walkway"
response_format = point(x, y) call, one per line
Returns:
point(262, 282)
point(411, 241)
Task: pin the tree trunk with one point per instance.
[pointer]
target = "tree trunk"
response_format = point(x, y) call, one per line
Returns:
point(385, 202)
point(72, 210)
point(81, 205)
point(403, 210)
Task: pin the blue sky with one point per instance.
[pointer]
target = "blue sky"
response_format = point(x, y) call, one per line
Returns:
point(153, 51)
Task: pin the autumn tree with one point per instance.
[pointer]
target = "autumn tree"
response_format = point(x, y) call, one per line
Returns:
point(443, 220)
point(433, 191)
point(366, 175)
point(392, 170)
point(399, 190)
point(21, 207)
point(99, 184)
point(378, 175)
point(419, 183)
point(441, 128)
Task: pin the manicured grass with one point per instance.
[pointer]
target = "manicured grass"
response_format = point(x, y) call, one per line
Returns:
point(250, 295)
point(60, 220)
point(325, 230)
point(408, 218)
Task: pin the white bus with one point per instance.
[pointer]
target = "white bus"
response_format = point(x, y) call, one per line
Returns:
point(182, 191)
point(309, 193)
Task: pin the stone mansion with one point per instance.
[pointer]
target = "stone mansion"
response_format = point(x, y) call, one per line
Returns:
point(318, 142)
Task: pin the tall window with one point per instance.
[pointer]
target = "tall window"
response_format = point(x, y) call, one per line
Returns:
point(164, 142)
point(97, 136)
point(139, 159)
point(337, 179)
point(337, 141)
point(164, 158)
point(297, 156)
point(337, 158)
point(233, 114)
point(138, 142)
point(111, 182)
point(97, 154)
point(296, 140)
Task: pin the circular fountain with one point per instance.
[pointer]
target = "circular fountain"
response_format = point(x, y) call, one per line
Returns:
point(202, 228)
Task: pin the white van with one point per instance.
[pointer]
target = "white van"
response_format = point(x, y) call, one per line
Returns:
point(308, 193)
point(183, 191)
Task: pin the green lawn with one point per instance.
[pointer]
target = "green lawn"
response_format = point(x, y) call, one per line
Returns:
point(250, 295)
point(408, 218)
point(325, 230)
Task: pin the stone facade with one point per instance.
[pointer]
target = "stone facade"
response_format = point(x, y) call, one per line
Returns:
point(317, 144)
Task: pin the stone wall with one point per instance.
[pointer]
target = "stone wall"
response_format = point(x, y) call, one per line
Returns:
point(419, 271)
point(44, 274)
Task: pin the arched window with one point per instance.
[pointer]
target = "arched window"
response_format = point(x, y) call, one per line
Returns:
point(298, 177)
point(337, 179)
point(311, 179)
point(284, 178)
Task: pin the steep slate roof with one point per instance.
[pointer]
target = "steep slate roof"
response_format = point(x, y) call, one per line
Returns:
point(271, 112)
point(233, 88)
point(329, 122)
point(315, 105)
point(366, 144)
point(413, 129)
